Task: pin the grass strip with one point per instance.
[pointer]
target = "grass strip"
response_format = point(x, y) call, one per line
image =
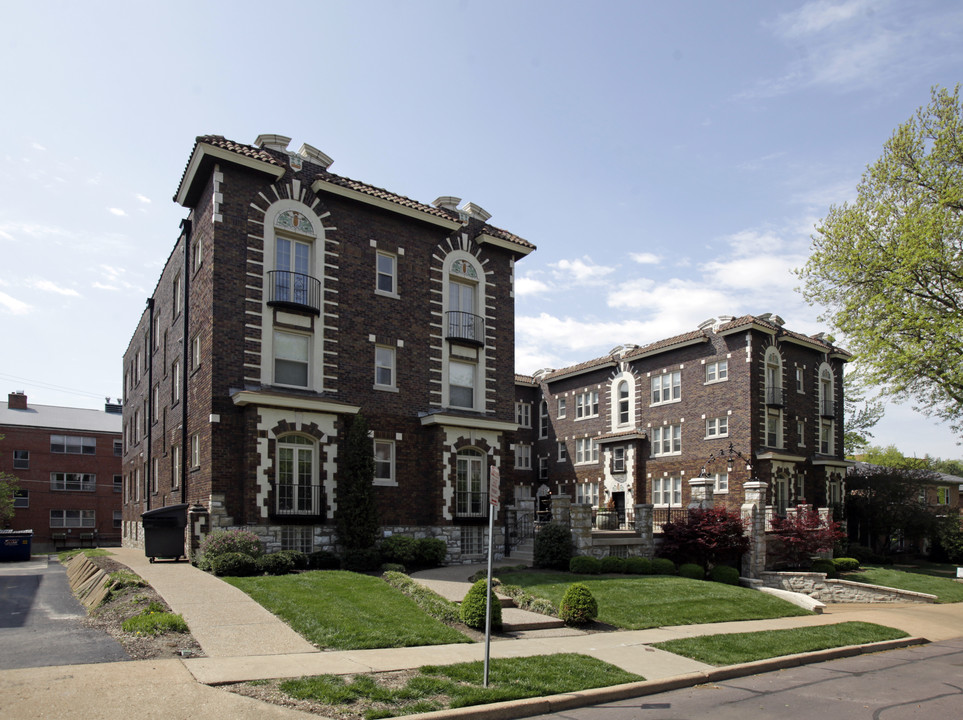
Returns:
point(154, 620)
point(66, 555)
point(736, 648)
point(636, 603)
point(437, 687)
point(945, 589)
point(346, 610)
point(427, 599)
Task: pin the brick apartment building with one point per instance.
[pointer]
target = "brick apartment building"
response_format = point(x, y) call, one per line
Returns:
point(636, 425)
point(68, 466)
point(294, 299)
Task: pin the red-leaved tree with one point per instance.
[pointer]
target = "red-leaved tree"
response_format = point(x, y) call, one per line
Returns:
point(706, 537)
point(802, 535)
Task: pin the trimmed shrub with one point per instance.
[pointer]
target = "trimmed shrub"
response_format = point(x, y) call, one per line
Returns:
point(613, 564)
point(392, 567)
point(324, 560)
point(430, 552)
point(234, 564)
point(274, 564)
point(692, 571)
point(473, 607)
point(584, 565)
point(399, 549)
point(578, 605)
point(298, 558)
point(553, 547)
point(220, 542)
point(724, 574)
point(361, 559)
point(846, 564)
point(663, 566)
point(824, 565)
point(638, 566)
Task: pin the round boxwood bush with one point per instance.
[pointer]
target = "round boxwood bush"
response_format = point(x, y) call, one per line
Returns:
point(234, 564)
point(846, 564)
point(430, 552)
point(692, 571)
point(613, 564)
point(298, 558)
point(361, 560)
point(275, 564)
point(220, 542)
point(324, 560)
point(473, 607)
point(724, 574)
point(663, 566)
point(553, 547)
point(399, 549)
point(392, 567)
point(638, 566)
point(578, 606)
point(584, 565)
point(824, 565)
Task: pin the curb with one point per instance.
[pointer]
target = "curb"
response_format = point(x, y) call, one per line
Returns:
point(512, 709)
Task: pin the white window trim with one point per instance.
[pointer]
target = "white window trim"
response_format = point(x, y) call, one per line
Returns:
point(672, 481)
point(592, 451)
point(716, 479)
point(392, 479)
point(195, 451)
point(712, 427)
point(562, 451)
point(662, 429)
point(393, 368)
point(618, 463)
point(561, 409)
point(716, 365)
point(592, 405)
point(523, 456)
point(543, 420)
point(672, 374)
point(393, 293)
point(523, 414)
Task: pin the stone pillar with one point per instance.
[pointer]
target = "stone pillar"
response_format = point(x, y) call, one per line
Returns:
point(700, 493)
point(754, 523)
point(643, 528)
point(581, 516)
point(562, 510)
point(198, 526)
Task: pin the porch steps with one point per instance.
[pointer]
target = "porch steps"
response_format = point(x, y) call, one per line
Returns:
point(523, 554)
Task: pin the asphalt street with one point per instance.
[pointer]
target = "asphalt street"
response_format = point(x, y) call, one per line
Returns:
point(922, 682)
point(41, 620)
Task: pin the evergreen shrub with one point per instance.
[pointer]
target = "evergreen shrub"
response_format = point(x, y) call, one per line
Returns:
point(824, 565)
point(584, 565)
point(846, 564)
point(638, 566)
point(553, 547)
point(430, 552)
point(692, 571)
point(578, 605)
point(324, 560)
point(234, 564)
point(724, 574)
point(473, 607)
point(613, 564)
point(361, 559)
point(275, 564)
point(663, 566)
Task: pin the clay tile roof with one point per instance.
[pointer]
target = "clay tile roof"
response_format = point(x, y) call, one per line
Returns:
point(524, 380)
point(746, 320)
point(266, 156)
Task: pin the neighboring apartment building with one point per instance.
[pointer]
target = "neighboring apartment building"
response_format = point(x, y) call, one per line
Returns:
point(635, 426)
point(67, 463)
point(294, 299)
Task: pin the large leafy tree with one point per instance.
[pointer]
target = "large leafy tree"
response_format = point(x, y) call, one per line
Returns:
point(888, 267)
point(357, 514)
point(861, 413)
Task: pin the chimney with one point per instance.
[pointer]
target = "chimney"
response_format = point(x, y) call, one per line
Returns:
point(17, 400)
point(113, 408)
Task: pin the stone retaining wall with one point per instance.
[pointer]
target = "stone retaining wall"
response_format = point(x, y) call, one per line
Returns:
point(828, 590)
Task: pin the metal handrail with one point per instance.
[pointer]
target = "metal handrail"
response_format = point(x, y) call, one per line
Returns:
point(292, 289)
point(465, 326)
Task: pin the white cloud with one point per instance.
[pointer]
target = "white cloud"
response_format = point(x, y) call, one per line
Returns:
point(97, 285)
point(581, 271)
point(644, 258)
point(530, 286)
point(48, 286)
point(13, 306)
point(143, 198)
point(117, 211)
point(37, 146)
point(817, 16)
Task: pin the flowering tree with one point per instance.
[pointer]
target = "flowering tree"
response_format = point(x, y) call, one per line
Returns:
point(804, 534)
point(707, 537)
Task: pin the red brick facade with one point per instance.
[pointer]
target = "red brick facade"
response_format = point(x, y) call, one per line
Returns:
point(65, 463)
point(308, 298)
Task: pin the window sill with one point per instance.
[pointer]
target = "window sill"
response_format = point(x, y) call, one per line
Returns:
point(715, 437)
point(384, 483)
point(665, 402)
point(716, 382)
point(587, 417)
point(383, 293)
point(671, 454)
point(385, 388)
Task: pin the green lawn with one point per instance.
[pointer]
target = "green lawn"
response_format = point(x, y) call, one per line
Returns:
point(921, 579)
point(736, 648)
point(640, 602)
point(346, 611)
point(453, 686)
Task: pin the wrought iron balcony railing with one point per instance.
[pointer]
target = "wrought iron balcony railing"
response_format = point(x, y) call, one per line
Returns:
point(471, 503)
point(294, 290)
point(465, 327)
point(304, 500)
point(774, 397)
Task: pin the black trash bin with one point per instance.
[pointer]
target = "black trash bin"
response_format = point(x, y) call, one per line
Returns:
point(15, 545)
point(164, 532)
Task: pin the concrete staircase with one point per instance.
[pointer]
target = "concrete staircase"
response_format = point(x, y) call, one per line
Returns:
point(523, 554)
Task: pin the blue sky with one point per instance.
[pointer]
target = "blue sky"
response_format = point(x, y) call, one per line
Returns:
point(669, 160)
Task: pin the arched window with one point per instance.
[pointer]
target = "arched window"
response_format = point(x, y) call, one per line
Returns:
point(826, 394)
point(543, 419)
point(773, 377)
point(623, 418)
point(297, 491)
point(471, 497)
point(293, 277)
point(464, 328)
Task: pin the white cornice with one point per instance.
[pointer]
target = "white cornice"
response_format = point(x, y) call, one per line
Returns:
point(204, 150)
point(785, 457)
point(484, 238)
point(259, 397)
point(834, 462)
point(325, 186)
point(468, 422)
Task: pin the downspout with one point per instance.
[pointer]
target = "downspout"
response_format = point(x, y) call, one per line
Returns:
point(151, 410)
point(188, 227)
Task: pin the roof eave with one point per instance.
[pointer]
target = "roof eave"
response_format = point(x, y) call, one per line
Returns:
point(325, 186)
point(485, 238)
point(203, 153)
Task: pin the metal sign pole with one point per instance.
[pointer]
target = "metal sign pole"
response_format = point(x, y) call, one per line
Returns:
point(493, 492)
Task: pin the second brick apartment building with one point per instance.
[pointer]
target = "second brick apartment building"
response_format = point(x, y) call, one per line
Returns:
point(294, 299)
point(636, 425)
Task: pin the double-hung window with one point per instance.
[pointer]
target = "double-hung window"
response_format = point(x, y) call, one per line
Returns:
point(561, 408)
point(21, 459)
point(586, 451)
point(384, 367)
point(73, 445)
point(667, 387)
point(667, 491)
point(461, 384)
point(73, 519)
point(523, 457)
point(543, 419)
point(523, 414)
point(587, 404)
point(618, 459)
point(82, 482)
point(384, 459)
point(717, 427)
point(666, 440)
point(717, 371)
point(386, 276)
point(291, 353)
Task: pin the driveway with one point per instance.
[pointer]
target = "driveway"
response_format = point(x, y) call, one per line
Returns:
point(41, 620)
